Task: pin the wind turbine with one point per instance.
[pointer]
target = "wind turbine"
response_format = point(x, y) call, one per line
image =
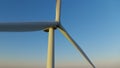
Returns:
point(46, 26)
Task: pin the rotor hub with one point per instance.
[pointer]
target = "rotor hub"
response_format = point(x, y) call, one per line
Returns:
point(55, 27)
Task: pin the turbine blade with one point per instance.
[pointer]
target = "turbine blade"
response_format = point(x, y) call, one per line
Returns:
point(25, 26)
point(58, 9)
point(65, 33)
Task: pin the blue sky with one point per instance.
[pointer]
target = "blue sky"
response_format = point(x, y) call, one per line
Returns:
point(94, 25)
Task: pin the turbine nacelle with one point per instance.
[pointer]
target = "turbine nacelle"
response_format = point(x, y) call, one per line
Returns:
point(54, 27)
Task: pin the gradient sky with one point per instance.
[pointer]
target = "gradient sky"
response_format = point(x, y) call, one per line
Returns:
point(94, 25)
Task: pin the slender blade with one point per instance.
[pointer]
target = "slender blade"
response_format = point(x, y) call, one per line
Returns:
point(58, 9)
point(65, 33)
point(25, 26)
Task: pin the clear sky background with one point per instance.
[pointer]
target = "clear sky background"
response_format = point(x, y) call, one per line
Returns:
point(94, 25)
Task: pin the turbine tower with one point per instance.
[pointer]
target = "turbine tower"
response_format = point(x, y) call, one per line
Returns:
point(48, 26)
